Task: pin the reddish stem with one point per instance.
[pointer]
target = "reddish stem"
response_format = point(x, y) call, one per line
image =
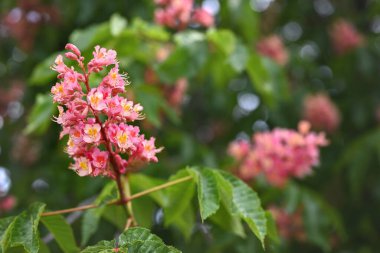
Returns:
point(115, 165)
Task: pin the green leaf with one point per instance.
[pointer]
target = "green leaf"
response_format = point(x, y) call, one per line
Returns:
point(150, 31)
point(268, 79)
point(23, 230)
point(91, 36)
point(239, 58)
point(185, 223)
point(117, 24)
point(239, 17)
point(42, 74)
point(62, 232)
point(44, 248)
point(208, 194)
point(226, 193)
point(153, 101)
point(91, 217)
point(272, 228)
point(40, 117)
point(4, 224)
point(141, 240)
point(140, 182)
point(150, 247)
point(178, 197)
point(137, 234)
point(116, 215)
point(249, 207)
point(186, 59)
point(138, 240)
point(227, 221)
point(143, 209)
point(224, 40)
point(320, 219)
point(102, 247)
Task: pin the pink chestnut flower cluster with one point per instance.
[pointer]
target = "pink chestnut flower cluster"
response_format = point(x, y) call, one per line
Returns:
point(273, 47)
point(178, 14)
point(345, 37)
point(96, 119)
point(278, 155)
point(321, 112)
point(289, 225)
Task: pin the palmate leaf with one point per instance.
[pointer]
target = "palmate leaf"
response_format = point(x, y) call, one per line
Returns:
point(22, 230)
point(137, 240)
point(62, 232)
point(216, 187)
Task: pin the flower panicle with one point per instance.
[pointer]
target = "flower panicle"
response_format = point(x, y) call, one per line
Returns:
point(178, 14)
point(97, 120)
point(278, 155)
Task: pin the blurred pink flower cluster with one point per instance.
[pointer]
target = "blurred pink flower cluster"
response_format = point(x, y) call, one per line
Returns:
point(279, 154)
point(345, 37)
point(273, 47)
point(7, 203)
point(321, 112)
point(178, 14)
point(289, 225)
point(95, 117)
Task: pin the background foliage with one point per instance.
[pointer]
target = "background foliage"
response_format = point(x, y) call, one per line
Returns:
point(232, 91)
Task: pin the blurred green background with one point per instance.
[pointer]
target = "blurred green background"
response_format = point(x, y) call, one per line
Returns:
point(231, 91)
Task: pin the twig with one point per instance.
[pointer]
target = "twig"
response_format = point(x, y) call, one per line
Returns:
point(118, 201)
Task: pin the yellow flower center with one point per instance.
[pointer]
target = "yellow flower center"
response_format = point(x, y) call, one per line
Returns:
point(148, 148)
point(122, 138)
point(60, 88)
point(92, 132)
point(94, 100)
point(70, 143)
point(113, 75)
point(83, 165)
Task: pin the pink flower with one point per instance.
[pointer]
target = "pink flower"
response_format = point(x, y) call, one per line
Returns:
point(113, 106)
point(273, 48)
point(129, 111)
point(102, 58)
point(59, 65)
point(96, 100)
point(345, 37)
point(92, 133)
point(279, 154)
point(202, 17)
point(82, 166)
point(75, 148)
point(99, 158)
point(149, 150)
point(239, 149)
point(122, 140)
point(321, 112)
point(177, 93)
point(115, 81)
